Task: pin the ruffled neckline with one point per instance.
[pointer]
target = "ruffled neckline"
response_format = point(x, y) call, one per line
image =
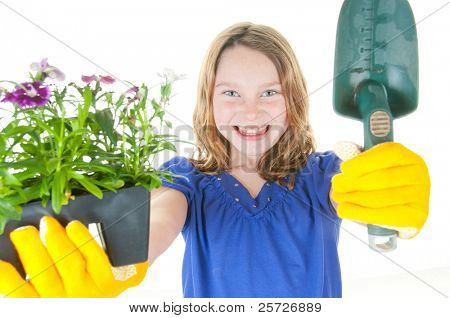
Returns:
point(277, 196)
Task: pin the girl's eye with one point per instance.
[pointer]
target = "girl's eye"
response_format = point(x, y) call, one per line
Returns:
point(271, 91)
point(274, 92)
point(228, 91)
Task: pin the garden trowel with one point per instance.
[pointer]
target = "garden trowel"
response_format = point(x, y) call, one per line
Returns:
point(376, 75)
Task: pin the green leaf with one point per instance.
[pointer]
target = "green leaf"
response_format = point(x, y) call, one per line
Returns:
point(87, 95)
point(35, 135)
point(119, 102)
point(113, 182)
point(163, 135)
point(168, 123)
point(89, 166)
point(160, 114)
point(105, 120)
point(83, 111)
point(165, 91)
point(63, 92)
point(155, 182)
point(30, 148)
point(8, 132)
point(86, 183)
point(2, 144)
point(41, 124)
point(44, 189)
point(104, 185)
point(78, 132)
point(57, 192)
point(58, 127)
point(92, 123)
point(63, 179)
point(108, 97)
point(8, 210)
point(44, 200)
point(9, 179)
point(3, 221)
point(155, 105)
point(24, 195)
point(75, 124)
point(170, 175)
point(73, 143)
point(165, 175)
point(24, 175)
point(105, 155)
point(168, 145)
point(32, 163)
point(143, 100)
point(75, 175)
point(52, 163)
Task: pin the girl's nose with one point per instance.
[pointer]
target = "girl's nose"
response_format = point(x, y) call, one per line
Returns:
point(251, 109)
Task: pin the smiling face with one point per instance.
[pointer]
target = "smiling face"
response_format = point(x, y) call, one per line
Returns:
point(248, 94)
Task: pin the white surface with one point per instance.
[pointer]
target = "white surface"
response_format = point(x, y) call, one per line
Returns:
point(433, 283)
point(134, 40)
point(163, 281)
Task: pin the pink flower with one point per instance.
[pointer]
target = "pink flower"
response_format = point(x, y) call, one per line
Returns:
point(107, 79)
point(133, 89)
point(137, 93)
point(88, 79)
point(102, 79)
point(48, 70)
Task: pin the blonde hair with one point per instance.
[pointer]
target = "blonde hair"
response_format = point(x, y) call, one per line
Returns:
point(290, 152)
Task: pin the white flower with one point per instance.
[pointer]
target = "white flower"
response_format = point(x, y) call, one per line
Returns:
point(170, 75)
point(51, 71)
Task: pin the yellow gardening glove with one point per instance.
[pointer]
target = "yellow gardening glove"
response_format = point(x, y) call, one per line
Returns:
point(387, 185)
point(64, 263)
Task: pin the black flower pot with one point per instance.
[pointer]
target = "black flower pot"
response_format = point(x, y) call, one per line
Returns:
point(122, 220)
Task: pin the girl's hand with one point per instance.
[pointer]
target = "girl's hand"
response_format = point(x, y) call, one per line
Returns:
point(64, 263)
point(387, 185)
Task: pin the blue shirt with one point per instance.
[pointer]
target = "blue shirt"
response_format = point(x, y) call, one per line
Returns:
point(281, 244)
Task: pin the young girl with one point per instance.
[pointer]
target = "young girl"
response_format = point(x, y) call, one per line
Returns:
point(256, 214)
point(254, 208)
point(259, 222)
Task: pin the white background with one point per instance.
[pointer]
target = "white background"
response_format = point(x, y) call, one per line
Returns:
point(134, 40)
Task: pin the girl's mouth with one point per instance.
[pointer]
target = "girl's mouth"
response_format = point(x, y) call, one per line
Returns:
point(251, 134)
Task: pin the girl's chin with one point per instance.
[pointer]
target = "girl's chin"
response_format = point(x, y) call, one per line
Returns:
point(251, 151)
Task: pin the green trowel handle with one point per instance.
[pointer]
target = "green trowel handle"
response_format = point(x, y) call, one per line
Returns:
point(372, 101)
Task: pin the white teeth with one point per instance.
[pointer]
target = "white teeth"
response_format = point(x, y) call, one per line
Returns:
point(252, 132)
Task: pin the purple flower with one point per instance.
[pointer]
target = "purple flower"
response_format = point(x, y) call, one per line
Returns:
point(48, 70)
point(138, 94)
point(103, 79)
point(107, 79)
point(133, 89)
point(88, 79)
point(28, 94)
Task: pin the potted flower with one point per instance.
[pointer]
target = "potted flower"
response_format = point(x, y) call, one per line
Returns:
point(80, 151)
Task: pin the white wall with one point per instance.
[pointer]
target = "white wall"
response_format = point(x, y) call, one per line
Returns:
point(133, 40)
